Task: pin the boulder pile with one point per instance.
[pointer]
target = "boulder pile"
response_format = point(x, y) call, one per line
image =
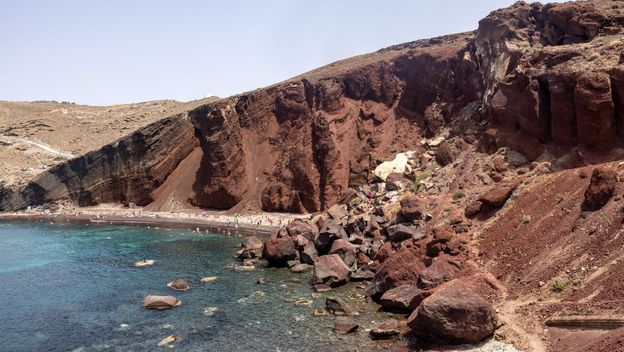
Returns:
point(413, 262)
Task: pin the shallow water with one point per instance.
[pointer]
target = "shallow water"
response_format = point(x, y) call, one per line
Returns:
point(74, 288)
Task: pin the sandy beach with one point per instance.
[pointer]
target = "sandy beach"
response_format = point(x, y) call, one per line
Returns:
point(260, 224)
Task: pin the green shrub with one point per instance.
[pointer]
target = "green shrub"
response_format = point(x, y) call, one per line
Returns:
point(559, 285)
point(459, 194)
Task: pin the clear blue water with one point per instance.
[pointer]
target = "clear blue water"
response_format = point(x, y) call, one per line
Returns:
point(74, 288)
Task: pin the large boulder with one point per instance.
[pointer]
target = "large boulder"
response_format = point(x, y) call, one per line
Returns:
point(402, 232)
point(600, 189)
point(403, 299)
point(332, 230)
point(443, 269)
point(160, 302)
point(403, 267)
point(308, 253)
point(345, 250)
point(278, 250)
point(302, 227)
point(411, 207)
point(453, 314)
point(330, 270)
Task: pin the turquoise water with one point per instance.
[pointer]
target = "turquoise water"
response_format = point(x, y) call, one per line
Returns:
point(74, 288)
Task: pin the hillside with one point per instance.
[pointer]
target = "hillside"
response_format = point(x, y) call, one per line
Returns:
point(35, 136)
point(508, 143)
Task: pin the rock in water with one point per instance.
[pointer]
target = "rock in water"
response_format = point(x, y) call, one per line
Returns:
point(345, 326)
point(600, 189)
point(160, 302)
point(453, 314)
point(209, 279)
point(337, 306)
point(179, 285)
point(251, 243)
point(278, 250)
point(386, 331)
point(330, 270)
point(168, 340)
point(301, 268)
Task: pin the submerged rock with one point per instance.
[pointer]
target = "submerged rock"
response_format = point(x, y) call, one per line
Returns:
point(209, 279)
point(344, 325)
point(160, 302)
point(168, 340)
point(301, 268)
point(337, 306)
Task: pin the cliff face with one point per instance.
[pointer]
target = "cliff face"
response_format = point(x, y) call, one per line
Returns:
point(126, 171)
point(554, 72)
point(546, 78)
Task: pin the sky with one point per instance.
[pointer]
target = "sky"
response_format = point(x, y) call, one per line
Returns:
point(123, 51)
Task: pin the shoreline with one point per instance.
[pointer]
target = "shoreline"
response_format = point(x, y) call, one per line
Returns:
point(261, 225)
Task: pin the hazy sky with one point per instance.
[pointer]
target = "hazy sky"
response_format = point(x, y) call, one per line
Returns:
point(120, 51)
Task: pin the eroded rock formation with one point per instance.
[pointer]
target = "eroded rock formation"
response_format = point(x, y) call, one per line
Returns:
point(538, 77)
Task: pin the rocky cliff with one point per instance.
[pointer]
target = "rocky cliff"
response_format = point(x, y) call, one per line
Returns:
point(546, 80)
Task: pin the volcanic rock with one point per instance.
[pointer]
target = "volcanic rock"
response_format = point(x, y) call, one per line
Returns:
point(443, 269)
point(159, 302)
point(401, 268)
point(308, 253)
point(345, 250)
point(343, 325)
point(304, 228)
point(179, 285)
point(595, 113)
point(387, 330)
point(338, 306)
point(251, 242)
point(453, 314)
point(402, 232)
point(411, 207)
point(362, 274)
point(600, 189)
point(384, 252)
point(301, 268)
point(330, 270)
point(277, 251)
point(403, 299)
point(330, 232)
